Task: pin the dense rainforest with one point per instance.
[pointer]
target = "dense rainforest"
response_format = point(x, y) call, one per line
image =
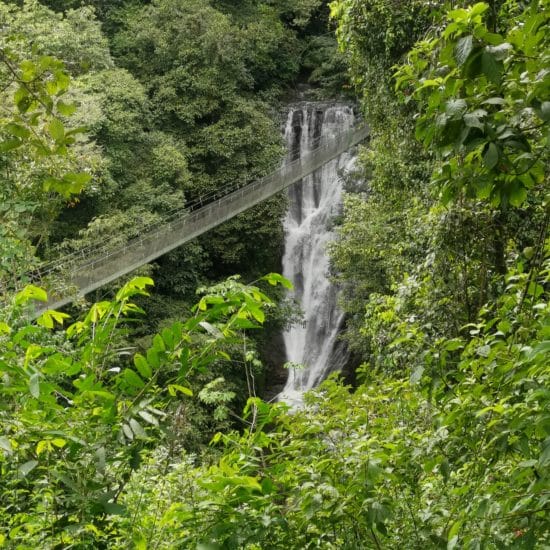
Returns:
point(136, 419)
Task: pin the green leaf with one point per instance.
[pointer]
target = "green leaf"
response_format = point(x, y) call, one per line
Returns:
point(42, 446)
point(153, 358)
point(544, 458)
point(113, 508)
point(56, 130)
point(473, 119)
point(28, 467)
point(472, 67)
point(137, 428)
point(275, 278)
point(142, 366)
point(490, 67)
point(541, 349)
point(483, 189)
point(34, 385)
point(45, 321)
point(158, 343)
point(58, 316)
point(452, 536)
point(66, 109)
point(5, 444)
point(17, 130)
point(545, 111)
point(458, 15)
point(267, 486)
point(491, 156)
point(133, 379)
point(50, 317)
point(30, 292)
point(463, 49)
point(453, 344)
point(10, 145)
point(211, 329)
point(517, 194)
point(135, 286)
point(484, 351)
point(256, 312)
point(149, 418)
point(22, 100)
point(53, 184)
point(478, 9)
point(75, 182)
point(494, 101)
point(455, 108)
point(128, 432)
point(174, 388)
point(169, 338)
point(63, 81)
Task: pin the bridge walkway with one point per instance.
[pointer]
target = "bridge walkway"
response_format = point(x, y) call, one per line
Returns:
point(86, 271)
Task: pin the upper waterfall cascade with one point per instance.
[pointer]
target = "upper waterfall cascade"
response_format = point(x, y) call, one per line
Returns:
point(314, 202)
point(87, 269)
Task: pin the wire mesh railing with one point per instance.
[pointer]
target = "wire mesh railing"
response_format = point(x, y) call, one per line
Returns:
point(90, 267)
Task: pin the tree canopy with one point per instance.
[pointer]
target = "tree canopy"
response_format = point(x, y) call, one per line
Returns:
point(137, 421)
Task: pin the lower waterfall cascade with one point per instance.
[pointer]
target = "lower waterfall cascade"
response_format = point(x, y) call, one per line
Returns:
point(313, 203)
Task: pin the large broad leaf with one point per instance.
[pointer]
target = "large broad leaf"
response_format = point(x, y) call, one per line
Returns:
point(113, 508)
point(455, 108)
point(149, 418)
point(30, 292)
point(66, 109)
point(491, 156)
point(28, 467)
point(545, 111)
point(474, 119)
point(517, 194)
point(211, 329)
point(490, 67)
point(463, 49)
point(500, 51)
point(137, 428)
point(5, 444)
point(17, 130)
point(133, 379)
point(10, 144)
point(142, 366)
point(56, 130)
point(34, 385)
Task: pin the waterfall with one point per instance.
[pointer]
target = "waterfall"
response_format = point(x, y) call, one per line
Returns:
point(314, 202)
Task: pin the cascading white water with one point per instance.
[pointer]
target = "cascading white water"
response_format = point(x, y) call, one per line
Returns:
point(314, 201)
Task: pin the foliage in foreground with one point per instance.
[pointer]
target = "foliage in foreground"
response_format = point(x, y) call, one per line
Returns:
point(445, 444)
point(79, 407)
point(455, 457)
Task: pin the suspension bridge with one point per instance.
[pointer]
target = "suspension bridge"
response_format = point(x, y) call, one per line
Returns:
point(88, 269)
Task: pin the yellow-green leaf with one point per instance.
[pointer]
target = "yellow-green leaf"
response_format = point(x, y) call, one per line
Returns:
point(56, 130)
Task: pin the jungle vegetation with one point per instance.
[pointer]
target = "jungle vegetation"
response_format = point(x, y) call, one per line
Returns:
point(136, 421)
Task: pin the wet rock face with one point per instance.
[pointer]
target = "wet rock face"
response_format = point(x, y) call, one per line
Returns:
point(273, 358)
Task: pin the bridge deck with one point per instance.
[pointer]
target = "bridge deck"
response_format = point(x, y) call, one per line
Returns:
point(84, 275)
